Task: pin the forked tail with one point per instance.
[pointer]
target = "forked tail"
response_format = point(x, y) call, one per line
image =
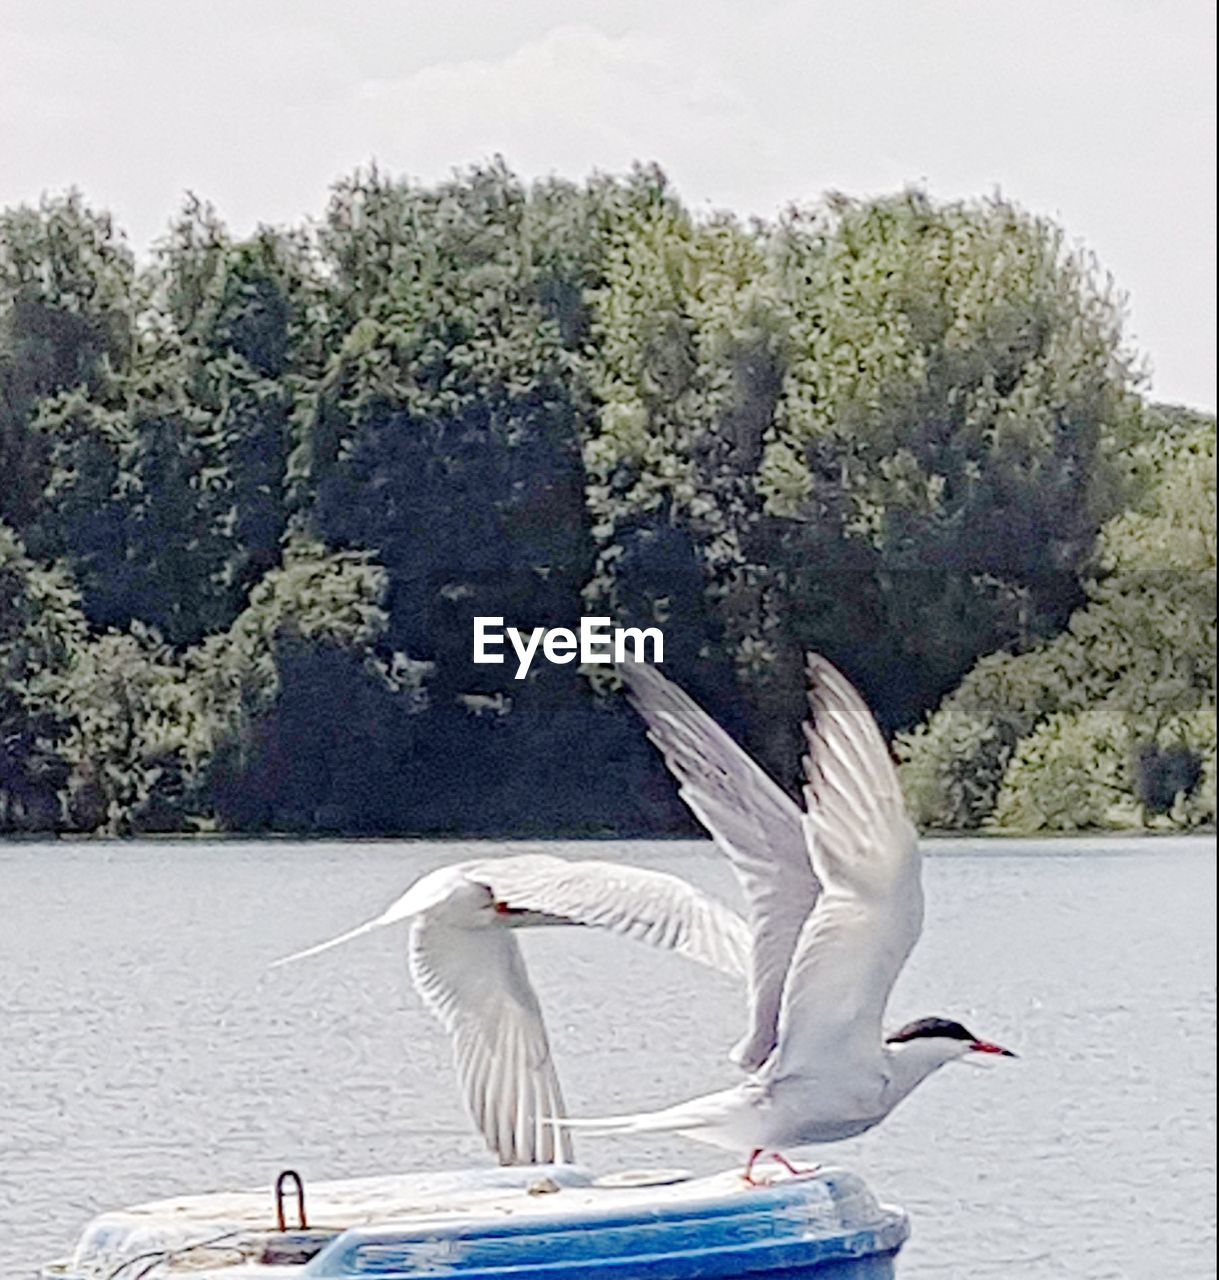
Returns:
point(699, 1118)
point(379, 923)
point(643, 1122)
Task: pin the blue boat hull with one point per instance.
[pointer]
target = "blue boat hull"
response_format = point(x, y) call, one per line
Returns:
point(554, 1222)
point(828, 1227)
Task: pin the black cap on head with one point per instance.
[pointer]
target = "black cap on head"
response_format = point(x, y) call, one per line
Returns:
point(931, 1028)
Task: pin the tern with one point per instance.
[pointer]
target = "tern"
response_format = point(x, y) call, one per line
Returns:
point(470, 973)
point(834, 905)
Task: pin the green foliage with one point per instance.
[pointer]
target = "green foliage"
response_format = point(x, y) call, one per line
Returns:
point(99, 733)
point(132, 503)
point(154, 465)
point(954, 764)
point(1072, 773)
point(316, 597)
point(1112, 722)
point(67, 320)
point(137, 736)
point(1196, 734)
point(41, 630)
point(443, 430)
point(687, 361)
point(309, 718)
point(86, 722)
point(883, 430)
point(256, 490)
point(117, 733)
point(940, 452)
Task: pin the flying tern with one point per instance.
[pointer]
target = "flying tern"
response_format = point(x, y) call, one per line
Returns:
point(834, 905)
point(467, 967)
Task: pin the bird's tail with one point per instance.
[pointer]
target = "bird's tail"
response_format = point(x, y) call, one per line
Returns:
point(687, 1117)
point(379, 923)
point(640, 1123)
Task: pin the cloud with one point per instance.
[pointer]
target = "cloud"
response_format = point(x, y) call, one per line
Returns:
point(1106, 123)
point(575, 100)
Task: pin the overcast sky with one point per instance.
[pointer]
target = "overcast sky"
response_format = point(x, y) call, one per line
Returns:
point(1100, 113)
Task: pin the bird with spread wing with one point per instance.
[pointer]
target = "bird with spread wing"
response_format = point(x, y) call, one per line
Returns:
point(834, 906)
point(469, 971)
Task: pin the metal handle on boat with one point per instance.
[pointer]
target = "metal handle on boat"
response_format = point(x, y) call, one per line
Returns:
point(290, 1175)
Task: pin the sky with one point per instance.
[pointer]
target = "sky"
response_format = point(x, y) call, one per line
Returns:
point(1099, 113)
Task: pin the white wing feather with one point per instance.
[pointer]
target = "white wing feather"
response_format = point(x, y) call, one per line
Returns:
point(756, 825)
point(474, 981)
point(661, 910)
point(865, 853)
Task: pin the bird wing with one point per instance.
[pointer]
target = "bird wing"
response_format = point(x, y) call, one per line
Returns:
point(755, 824)
point(468, 968)
point(650, 906)
point(865, 853)
point(474, 981)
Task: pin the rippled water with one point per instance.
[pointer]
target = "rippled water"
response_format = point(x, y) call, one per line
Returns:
point(145, 1048)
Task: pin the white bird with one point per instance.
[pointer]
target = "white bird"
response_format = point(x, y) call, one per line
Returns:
point(835, 904)
point(468, 969)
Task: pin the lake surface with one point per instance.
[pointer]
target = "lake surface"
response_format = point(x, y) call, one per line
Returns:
point(145, 1048)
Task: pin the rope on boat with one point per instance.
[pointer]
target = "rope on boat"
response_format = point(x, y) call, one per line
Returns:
point(158, 1256)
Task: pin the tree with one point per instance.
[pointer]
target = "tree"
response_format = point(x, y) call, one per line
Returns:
point(687, 360)
point(1112, 721)
point(42, 630)
point(163, 480)
point(444, 438)
point(68, 302)
point(309, 714)
point(880, 430)
point(267, 469)
point(939, 467)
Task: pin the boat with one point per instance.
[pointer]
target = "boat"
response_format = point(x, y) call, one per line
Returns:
point(554, 1221)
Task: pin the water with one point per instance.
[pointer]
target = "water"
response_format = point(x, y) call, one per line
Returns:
point(145, 1049)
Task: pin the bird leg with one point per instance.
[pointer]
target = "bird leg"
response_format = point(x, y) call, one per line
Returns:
point(791, 1168)
point(780, 1159)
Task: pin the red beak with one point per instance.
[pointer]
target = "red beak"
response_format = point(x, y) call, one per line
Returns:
point(985, 1046)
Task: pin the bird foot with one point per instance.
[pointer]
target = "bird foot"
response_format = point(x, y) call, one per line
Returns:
point(795, 1171)
point(750, 1179)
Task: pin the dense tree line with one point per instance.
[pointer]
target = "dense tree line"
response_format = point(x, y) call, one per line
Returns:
point(1112, 722)
point(254, 491)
